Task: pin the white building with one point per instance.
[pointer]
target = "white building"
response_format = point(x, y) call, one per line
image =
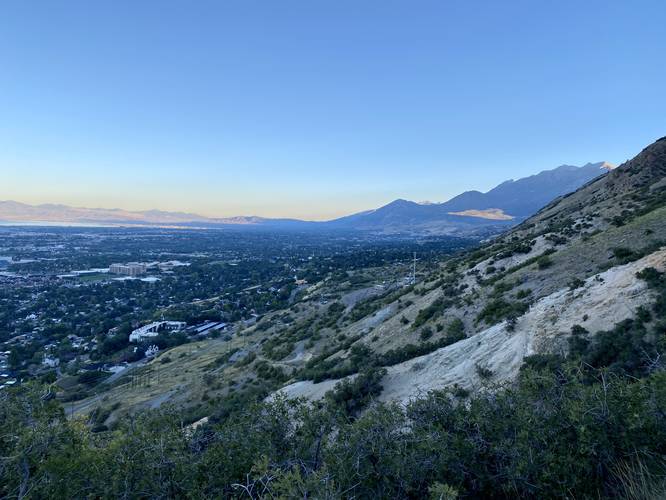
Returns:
point(50, 362)
point(130, 269)
point(155, 328)
point(152, 351)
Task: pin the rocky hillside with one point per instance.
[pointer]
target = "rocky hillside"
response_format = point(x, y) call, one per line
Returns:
point(467, 323)
point(571, 267)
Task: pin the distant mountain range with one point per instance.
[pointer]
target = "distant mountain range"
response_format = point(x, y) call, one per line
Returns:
point(472, 211)
point(469, 213)
point(13, 211)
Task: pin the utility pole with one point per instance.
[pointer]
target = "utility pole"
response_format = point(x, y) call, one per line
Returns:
point(414, 270)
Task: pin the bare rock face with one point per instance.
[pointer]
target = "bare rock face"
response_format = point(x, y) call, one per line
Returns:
point(605, 299)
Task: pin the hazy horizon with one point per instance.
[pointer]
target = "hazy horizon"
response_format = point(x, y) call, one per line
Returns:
point(314, 111)
point(320, 219)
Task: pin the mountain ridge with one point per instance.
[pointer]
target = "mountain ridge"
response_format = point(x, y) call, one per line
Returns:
point(471, 212)
point(475, 211)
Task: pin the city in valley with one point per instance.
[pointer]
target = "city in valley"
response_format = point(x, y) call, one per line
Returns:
point(86, 304)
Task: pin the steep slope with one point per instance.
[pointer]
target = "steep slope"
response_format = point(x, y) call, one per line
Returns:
point(607, 298)
point(634, 185)
point(573, 263)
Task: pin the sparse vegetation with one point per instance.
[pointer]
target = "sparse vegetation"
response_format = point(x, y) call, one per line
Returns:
point(576, 283)
point(483, 371)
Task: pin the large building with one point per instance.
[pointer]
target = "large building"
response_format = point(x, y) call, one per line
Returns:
point(155, 328)
point(130, 269)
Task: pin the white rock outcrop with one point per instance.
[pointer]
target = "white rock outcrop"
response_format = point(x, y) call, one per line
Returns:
point(604, 300)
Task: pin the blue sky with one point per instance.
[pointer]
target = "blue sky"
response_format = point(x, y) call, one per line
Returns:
point(315, 109)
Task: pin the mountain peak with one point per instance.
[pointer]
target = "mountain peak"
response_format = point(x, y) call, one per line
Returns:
point(400, 202)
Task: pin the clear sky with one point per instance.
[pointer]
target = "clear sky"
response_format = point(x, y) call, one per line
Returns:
point(316, 108)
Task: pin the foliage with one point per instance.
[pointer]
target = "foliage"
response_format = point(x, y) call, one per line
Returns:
point(544, 262)
point(455, 331)
point(567, 428)
point(498, 276)
point(353, 394)
point(437, 307)
point(633, 347)
point(576, 283)
point(558, 433)
point(623, 254)
point(483, 371)
point(269, 372)
point(324, 367)
point(498, 309)
point(425, 333)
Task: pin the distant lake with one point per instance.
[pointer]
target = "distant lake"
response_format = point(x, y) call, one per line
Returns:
point(53, 224)
point(5, 261)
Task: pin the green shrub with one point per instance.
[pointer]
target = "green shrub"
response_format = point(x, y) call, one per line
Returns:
point(623, 255)
point(436, 308)
point(549, 362)
point(483, 371)
point(498, 309)
point(247, 359)
point(455, 331)
point(426, 333)
point(267, 371)
point(460, 392)
point(352, 395)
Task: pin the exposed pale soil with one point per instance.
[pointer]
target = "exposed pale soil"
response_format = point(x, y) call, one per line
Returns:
point(606, 299)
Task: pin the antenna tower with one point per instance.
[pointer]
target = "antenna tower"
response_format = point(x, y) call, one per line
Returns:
point(414, 270)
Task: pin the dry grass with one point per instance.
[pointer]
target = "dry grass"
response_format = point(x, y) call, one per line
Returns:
point(637, 481)
point(180, 379)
